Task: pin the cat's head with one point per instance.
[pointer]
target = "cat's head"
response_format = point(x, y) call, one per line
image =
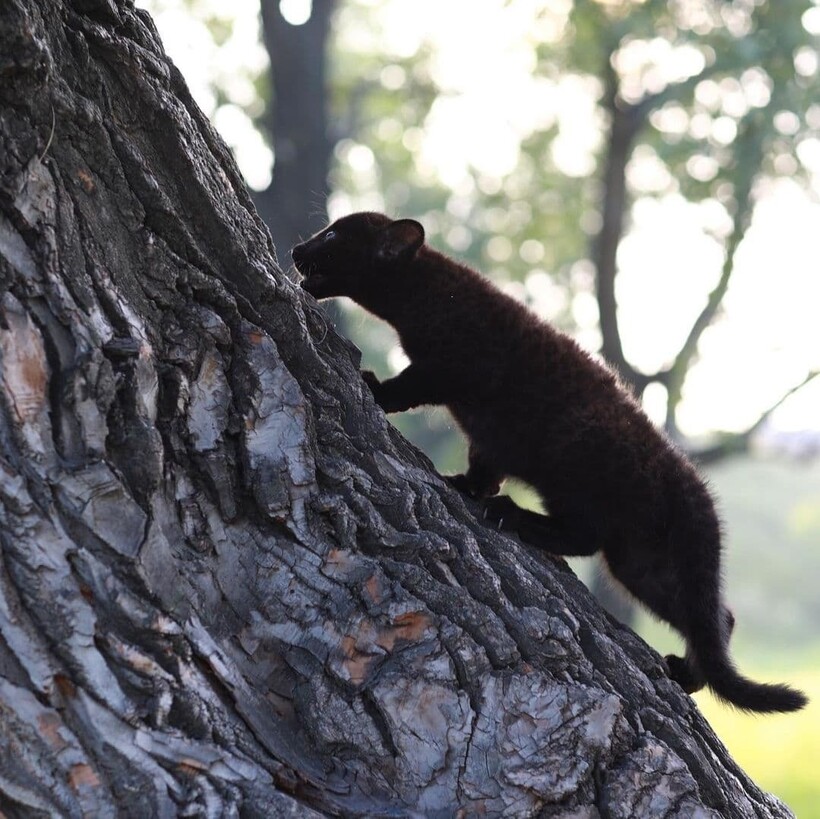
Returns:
point(351, 256)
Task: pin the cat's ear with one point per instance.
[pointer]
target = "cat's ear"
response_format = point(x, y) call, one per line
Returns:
point(399, 241)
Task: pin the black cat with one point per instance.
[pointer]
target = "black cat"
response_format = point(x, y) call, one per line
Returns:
point(535, 406)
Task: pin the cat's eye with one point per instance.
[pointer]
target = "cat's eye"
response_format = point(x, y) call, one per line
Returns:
point(331, 234)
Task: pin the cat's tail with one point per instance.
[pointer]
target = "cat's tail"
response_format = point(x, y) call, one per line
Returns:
point(709, 652)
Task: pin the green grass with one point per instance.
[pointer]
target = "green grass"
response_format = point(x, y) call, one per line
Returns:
point(780, 753)
point(771, 508)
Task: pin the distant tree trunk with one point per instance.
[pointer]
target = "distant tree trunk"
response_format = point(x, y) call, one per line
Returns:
point(227, 586)
point(294, 204)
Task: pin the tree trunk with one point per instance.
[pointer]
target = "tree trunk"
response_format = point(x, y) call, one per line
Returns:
point(226, 584)
point(293, 205)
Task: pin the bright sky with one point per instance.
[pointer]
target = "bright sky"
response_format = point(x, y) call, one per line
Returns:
point(768, 336)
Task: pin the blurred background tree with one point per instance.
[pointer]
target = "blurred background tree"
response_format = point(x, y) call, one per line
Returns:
point(539, 143)
point(295, 122)
point(644, 173)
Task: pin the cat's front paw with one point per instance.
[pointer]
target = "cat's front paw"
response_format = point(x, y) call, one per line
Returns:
point(375, 386)
point(469, 486)
point(370, 378)
point(460, 484)
point(502, 511)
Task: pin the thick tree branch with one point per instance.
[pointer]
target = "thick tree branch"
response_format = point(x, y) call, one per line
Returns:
point(748, 150)
point(625, 123)
point(735, 443)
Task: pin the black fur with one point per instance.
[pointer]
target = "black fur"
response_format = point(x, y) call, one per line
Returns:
point(535, 406)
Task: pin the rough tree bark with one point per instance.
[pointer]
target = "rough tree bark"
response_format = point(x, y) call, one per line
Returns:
point(226, 584)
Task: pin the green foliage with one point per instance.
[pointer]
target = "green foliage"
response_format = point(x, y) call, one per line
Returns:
point(725, 93)
point(772, 516)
